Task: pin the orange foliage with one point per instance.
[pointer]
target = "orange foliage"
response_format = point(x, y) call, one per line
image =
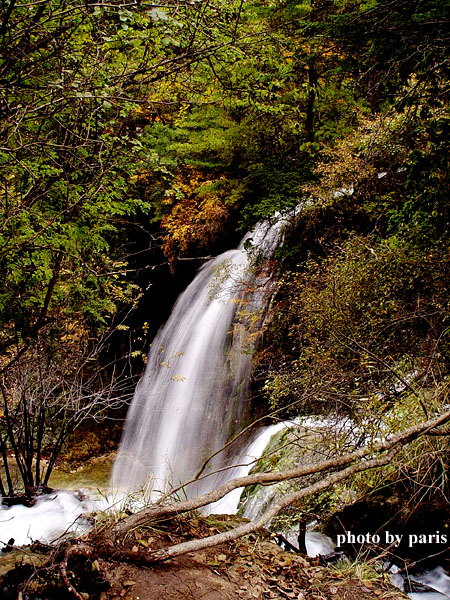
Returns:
point(197, 217)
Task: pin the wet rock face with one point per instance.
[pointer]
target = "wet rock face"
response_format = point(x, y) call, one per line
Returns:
point(414, 533)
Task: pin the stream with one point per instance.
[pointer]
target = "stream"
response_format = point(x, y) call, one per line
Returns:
point(191, 400)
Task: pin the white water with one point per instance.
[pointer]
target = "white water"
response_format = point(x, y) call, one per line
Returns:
point(193, 395)
point(52, 516)
point(427, 596)
point(316, 542)
point(247, 459)
point(437, 579)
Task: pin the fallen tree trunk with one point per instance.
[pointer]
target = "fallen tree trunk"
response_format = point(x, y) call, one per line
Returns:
point(163, 554)
point(343, 467)
point(363, 456)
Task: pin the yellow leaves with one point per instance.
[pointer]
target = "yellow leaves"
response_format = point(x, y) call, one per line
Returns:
point(178, 378)
point(343, 162)
point(197, 217)
point(288, 55)
point(181, 114)
point(75, 333)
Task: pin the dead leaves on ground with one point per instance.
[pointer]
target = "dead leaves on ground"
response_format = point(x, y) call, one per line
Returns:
point(268, 572)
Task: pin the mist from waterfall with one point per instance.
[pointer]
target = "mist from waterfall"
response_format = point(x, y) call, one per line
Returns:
point(193, 395)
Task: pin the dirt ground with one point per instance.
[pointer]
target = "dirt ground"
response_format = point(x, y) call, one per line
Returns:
point(251, 568)
point(249, 573)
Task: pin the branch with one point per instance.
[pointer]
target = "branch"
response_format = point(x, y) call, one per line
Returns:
point(3, 27)
point(70, 588)
point(143, 558)
point(200, 473)
point(245, 529)
point(361, 455)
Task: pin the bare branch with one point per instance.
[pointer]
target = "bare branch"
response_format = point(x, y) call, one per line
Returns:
point(361, 455)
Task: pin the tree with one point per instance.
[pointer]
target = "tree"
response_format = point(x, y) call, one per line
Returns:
point(45, 396)
point(76, 79)
point(388, 42)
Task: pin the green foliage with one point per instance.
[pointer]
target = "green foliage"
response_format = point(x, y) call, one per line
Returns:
point(424, 217)
point(275, 187)
point(380, 41)
point(64, 171)
point(80, 83)
point(357, 323)
point(194, 117)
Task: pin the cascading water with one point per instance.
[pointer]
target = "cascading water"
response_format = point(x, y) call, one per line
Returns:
point(437, 581)
point(246, 459)
point(316, 542)
point(49, 519)
point(193, 394)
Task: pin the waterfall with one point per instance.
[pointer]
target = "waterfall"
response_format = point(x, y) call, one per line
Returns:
point(194, 392)
point(246, 460)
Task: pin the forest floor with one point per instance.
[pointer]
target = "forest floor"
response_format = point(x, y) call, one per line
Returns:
point(251, 568)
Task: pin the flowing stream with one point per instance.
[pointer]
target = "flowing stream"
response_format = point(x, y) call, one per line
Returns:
point(51, 517)
point(437, 579)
